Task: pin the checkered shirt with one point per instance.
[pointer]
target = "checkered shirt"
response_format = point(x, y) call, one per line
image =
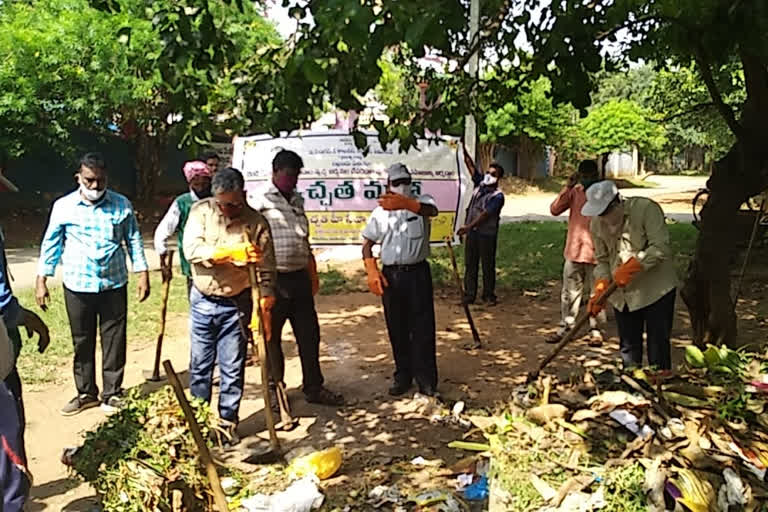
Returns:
point(90, 241)
point(289, 226)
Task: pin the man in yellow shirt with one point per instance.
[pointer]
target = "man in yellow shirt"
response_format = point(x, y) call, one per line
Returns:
point(632, 249)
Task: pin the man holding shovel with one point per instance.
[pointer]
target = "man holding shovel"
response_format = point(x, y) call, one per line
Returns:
point(401, 225)
point(632, 249)
point(222, 236)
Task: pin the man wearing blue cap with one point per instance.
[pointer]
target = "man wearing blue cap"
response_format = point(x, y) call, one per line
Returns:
point(632, 249)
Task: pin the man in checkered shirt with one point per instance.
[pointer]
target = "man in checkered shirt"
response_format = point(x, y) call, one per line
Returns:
point(297, 280)
point(89, 232)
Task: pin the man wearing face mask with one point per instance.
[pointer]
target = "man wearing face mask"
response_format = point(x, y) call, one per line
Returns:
point(632, 249)
point(198, 177)
point(297, 280)
point(222, 236)
point(86, 233)
point(579, 252)
point(482, 229)
point(401, 225)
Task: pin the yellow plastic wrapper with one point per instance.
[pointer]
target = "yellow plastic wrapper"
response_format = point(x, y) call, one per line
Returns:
point(323, 464)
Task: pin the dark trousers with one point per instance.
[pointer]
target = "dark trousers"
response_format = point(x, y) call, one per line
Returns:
point(14, 480)
point(410, 314)
point(295, 303)
point(108, 310)
point(656, 320)
point(13, 381)
point(480, 249)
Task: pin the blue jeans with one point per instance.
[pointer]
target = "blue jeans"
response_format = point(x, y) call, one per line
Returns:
point(216, 335)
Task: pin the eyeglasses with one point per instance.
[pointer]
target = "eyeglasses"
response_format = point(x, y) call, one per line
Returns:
point(230, 206)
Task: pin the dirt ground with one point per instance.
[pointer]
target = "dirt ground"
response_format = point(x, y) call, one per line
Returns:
point(373, 428)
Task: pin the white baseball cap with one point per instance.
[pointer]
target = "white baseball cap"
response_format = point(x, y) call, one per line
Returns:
point(7, 184)
point(599, 196)
point(397, 171)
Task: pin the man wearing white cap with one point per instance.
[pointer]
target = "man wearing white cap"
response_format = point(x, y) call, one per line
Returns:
point(401, 225)
point(632, 248)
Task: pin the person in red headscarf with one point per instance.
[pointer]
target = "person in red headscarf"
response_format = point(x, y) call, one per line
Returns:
point(198, 176)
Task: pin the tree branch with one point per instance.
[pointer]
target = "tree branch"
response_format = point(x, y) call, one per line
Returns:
point(706, 74)
point(492, 26)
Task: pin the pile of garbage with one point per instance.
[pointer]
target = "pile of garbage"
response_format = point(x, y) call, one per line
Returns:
point(144, 457)
point(606, 440)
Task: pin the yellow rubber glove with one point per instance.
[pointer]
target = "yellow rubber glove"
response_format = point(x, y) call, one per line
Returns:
point(624, 275)
point(376, 280)
point(596, 304)
point(391, 201)
point(313, 277)
point(266, 304)
point(241, 253)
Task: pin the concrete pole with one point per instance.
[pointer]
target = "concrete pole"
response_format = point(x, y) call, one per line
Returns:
point(470, 125)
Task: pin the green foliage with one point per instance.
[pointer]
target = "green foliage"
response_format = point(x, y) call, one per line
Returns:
point(618, 125)
point(68, 66)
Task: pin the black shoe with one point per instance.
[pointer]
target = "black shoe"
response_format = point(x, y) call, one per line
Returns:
point(112, 404)
point(490, 301)
point(79, 404)
point(400, 388)
point(324, 396)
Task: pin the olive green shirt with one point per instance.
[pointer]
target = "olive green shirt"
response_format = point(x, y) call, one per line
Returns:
point(645, 236)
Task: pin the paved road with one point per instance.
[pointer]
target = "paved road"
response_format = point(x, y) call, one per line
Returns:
point(22, 262)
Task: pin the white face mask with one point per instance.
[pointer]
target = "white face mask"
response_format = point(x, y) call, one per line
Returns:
point(92, 195)
point(490, 180)
point(403, 190)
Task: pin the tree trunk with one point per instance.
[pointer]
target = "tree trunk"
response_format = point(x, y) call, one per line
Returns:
point(707, 290)
point(149, 165)
point(486, 151)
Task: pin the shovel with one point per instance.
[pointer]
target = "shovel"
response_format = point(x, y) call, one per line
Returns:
point(475, 335)
point(581, 321)
point(154, 376)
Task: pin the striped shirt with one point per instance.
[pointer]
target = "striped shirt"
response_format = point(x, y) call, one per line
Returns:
point(289, 225)
point(90, 241)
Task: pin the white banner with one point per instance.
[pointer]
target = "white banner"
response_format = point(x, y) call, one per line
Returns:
point(340, 185)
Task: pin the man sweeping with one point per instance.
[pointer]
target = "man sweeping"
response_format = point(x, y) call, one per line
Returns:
point(198, 177)
point(632, 249)
point(579, 253)
point(223, 235)
point(401, 225)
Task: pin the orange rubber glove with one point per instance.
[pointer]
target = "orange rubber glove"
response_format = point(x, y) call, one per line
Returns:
point(313, 277)
point(266, 304)
point(624, 275)
point(595, 304)
point(376, 280)
point(241, 253)
point(397, 202)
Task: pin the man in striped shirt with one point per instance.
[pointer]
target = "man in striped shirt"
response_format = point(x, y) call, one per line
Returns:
point(86, 234)
point(297, 280)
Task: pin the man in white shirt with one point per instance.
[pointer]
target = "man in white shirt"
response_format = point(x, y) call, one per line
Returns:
point(401, 225)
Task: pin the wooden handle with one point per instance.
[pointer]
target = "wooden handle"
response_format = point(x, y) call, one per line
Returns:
point(163, 314)
point(213, 477)
point(457, 277)
point(581, 321)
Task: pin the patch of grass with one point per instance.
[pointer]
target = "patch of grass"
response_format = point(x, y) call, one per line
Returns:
point(530, 254)
point(333, 281)
point(143, 327)
point(624, 490)
point(520, 186)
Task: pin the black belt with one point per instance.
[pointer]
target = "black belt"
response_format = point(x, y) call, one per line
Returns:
point(406, 268)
